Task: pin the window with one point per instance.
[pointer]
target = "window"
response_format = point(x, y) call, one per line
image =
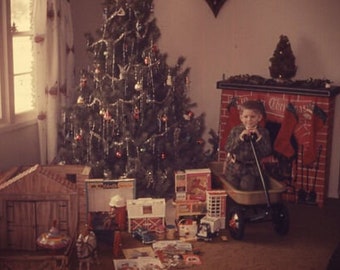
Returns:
point(16, 61)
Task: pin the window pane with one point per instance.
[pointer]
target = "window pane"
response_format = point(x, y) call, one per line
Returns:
point(23, 97)
point(22, 54)
point(20, 15)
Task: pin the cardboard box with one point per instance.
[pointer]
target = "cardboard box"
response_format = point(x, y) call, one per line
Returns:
point(217, 205)
point(190, 208)
point(99, 192)
point(193, 183)
point(187, 229)
point(146, 212)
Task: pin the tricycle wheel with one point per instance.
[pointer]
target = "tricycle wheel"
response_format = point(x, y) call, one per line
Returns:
point(236, 223)
point(280, 218)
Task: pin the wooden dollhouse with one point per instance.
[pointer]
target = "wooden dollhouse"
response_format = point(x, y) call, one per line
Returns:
point(32, 200)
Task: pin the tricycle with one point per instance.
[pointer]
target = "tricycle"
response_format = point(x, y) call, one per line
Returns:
point(252, 206)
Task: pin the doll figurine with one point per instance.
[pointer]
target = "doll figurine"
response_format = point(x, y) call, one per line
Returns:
point(87, 248)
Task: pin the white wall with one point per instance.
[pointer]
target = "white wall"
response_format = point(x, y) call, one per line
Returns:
point(239, 41)
point(19, 147)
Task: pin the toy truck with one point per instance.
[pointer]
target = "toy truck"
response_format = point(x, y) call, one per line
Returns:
point(143, 235)
point(209, 227)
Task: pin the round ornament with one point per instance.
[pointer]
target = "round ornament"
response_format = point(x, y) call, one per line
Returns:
point(138, 86)
point(164, 118)
point(163, 156)
point(118, 154)
point(188, 115)
point(147, 60)
point(78, 137)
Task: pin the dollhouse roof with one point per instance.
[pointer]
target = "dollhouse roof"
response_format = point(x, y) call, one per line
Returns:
point(37, 179)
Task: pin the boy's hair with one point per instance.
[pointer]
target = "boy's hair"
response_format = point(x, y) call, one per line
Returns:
point(255, 105)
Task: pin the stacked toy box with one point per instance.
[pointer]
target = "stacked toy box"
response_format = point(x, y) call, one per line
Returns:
point(190, 189)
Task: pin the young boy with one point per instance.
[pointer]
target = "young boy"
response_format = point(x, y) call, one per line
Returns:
point(241, 169)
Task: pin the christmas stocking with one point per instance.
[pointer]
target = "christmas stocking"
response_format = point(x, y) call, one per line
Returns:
point(311, 125)
point(233, 120)
point(282, 143)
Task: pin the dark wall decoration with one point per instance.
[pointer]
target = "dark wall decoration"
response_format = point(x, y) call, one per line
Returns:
point(215, 5)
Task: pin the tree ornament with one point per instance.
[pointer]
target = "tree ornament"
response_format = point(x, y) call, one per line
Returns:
point(123, 71)
point(107, 174)
point(136, 113)
point(149, 99)
point(78, 137)
point(154, 48)
point(80, 100)
point(121, 12)
point(162, 175)
point(149, 178)
point(188, 115)
point(107, 116)
point(169, 79)
point(147, 60)
point(200, 141)
point(83, 81)
point(102, 112)
point(97, 69)
point(119, 154)
point(138, 86)
point(139, 26)
point(163, 156)
point(164, 118)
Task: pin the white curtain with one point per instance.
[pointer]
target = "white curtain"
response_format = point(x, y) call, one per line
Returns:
point(54, 69)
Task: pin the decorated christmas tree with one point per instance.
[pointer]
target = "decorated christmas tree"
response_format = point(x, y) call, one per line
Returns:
point(133, 117)
point(283, 61)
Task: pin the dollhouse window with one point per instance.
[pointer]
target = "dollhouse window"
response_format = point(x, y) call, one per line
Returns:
point(16, 61)
point(147, 209)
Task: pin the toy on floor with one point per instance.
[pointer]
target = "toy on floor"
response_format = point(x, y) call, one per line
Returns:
point(117, 213)
point(87, 248)
point(53, 239)
point(208, 228)
point(117, 244)
point(144, 235)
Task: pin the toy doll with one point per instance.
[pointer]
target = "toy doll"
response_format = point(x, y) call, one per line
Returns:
point(87, 247)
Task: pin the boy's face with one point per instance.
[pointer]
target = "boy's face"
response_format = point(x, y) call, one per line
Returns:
point(250, 118)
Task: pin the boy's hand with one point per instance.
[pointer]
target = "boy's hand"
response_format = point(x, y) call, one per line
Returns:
point(244, 134)
point(250, 134)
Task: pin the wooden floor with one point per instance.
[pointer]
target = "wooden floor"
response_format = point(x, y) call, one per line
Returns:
point(314, 235)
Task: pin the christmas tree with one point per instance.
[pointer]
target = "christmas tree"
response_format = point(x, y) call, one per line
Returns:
point(133, 117)
point(283, 61)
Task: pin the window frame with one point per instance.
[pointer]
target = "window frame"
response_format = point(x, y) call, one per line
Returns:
point(8, 118)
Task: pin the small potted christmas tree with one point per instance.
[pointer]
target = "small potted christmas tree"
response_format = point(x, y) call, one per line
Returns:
point(283, 61)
